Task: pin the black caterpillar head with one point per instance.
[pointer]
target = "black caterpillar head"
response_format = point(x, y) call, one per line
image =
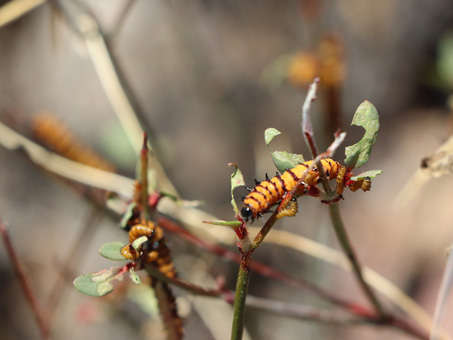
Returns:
point(246, 213)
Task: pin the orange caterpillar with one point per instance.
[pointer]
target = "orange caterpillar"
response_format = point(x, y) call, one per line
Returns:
point(55, 135)
point(157, 252)
point(271, 191)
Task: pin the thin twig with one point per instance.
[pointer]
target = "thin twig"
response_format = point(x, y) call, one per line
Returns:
point(25, 283)
point(194, 289)
point(303, 312)
point(307, 129)
point(343, 238)
point(112, 35)
point(144, 179)
point(442, 298)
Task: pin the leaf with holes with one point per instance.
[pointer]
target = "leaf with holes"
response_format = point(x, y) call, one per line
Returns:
point(367, 117)
point(98, 284)
point(237, 180)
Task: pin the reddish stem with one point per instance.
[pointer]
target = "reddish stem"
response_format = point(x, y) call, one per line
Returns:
point(25, 283)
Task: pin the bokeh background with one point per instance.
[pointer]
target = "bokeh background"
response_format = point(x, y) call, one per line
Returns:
point(208, 77)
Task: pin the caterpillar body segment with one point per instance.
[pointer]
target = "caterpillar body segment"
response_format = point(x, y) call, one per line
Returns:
point(129, 252)
point(341, 176)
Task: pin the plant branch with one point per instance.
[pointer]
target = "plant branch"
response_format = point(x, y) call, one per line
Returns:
point(343, 238)
point(13, 10)
point(264, 270)
point(72, 258)
point(307, 128)
point(144, 179)
point(25, 283)
point(242, 284)
point(85, 25)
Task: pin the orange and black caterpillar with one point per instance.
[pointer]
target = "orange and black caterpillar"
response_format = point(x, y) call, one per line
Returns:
point(270, 191)
point(156, 250)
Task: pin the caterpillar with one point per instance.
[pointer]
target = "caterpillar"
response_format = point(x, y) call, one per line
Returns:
point(157, 252)
point(364, 184)
point(270, 191)
point(55, 135)
point(288, 211)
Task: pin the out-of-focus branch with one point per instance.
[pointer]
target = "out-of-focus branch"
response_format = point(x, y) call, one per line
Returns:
point(115, 87)
point(64, 167)
point(112, 35)
point(14, 9)
point(443, 298)
point(25, 283)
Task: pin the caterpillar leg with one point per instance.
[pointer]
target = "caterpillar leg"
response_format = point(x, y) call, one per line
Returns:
point(289, 210)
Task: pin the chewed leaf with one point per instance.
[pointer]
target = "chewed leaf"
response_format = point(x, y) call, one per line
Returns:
point(237, 180)
point(270, 134)
point(98, 284)
point(367, 117)
point(111, 251)
point(134, 277)
point(283, 160)
point(367, 174)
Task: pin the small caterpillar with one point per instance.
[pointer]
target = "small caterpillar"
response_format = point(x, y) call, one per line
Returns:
point(364, 184)
point(272, 190)
point(289, 211)
point(157, 251)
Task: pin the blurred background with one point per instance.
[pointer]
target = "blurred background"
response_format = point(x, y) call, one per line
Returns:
point(207, 78)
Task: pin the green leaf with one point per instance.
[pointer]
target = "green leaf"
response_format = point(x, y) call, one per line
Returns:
point(270, 134)
point(134, 277)
point(369, 174)
point(232, 224)
point(283, 160)
point(98, 284)
point(127, 215)
point(112, 251)
point(237, 180)
point(367, 117)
